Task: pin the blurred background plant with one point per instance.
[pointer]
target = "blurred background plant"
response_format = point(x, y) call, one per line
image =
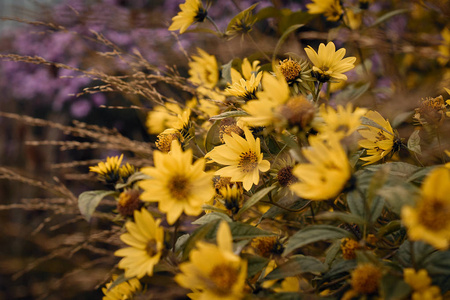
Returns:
point(97, 65)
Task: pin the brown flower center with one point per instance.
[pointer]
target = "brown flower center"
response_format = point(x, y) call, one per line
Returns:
point(224, 277)
point(290, 69)
point(285, 176)
point(434, 214)
point(178, 187)
point(151, 248)
point(248, 161)
point(298, 111)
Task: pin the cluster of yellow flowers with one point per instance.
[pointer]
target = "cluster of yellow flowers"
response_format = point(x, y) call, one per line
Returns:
point(262, 153)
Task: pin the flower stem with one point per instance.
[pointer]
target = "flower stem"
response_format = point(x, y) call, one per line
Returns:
point(214, 24)
point(316, 96)
point(257, 47)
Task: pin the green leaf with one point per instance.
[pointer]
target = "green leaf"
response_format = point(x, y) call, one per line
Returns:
point(388, 15)
point(420, 174)
point(438, 267)
point(394, 288)
point(120, 279)
point(88, 201)
point(352, 93)
point(268, 12)
point(255, 263)
point(199, 234)
point(212, 137)
point(229, 114)
point(341, 216)
point(283, 38)
point(298, 264)
point(399, 169)
point(398, 195)
point(339, 267)
point(389, 228)
point(132, 179)
point(414, 142)
point(255, 198)
point(314, 233)
point(181, 241)
point(287, 202)
point(226, 71)
point(241, 231)
point(356, 203)
point(240, 16)
point(400, 118)
point(212, 217)
point(332, 252)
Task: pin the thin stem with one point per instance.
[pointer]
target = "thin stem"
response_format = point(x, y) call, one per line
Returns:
point(257, 47)
point(312, 211)
point(175, 231)
point(319, 87)
point(214, 24)
point(286, 208)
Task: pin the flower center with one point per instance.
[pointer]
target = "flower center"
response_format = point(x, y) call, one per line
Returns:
point(178, 187)
point(285, 176)
point(151, 248)
point(201, 15)
point(248, 161)
point(298, 111)
point(366, 279)
point(290, 69)
point(434, 214)
point(223, 276)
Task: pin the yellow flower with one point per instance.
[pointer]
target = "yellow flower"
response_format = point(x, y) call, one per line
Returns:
point(341, 122)
point(349, 247)
point(329, 63)
point(431, 111)
point(429, 221)
point(245, 88)
point(379, 139)
point(163, 117)
point(145, 238)
point(243, 158)
point(232, 197)
point(327, 173)
point(191, 11)
point(204, 70)
point(128, 202)
point(275, 106)
point(123, 291)
point(366, 279)
point(420, 282)
point(444, 48)
point(177, 185)
point(332, 9)
point(417, 280)
point(109, 170)
point(248, 69)
point(214, 272)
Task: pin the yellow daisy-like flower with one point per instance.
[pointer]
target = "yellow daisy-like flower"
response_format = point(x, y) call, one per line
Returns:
point(379, 139)
point(248, 69)
point(243, 158)
point(331, 9)
point(326, 174)
point(163, 117)
point(191, 11)
point(109, 170)
point(146, 240)
point(275, 106)
point(341, 122)
point(245, 88)
point(329, 63)
point(214, 272)
point(429, 221)
point(123, 291)
point(177, 185)
point(204, 70)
